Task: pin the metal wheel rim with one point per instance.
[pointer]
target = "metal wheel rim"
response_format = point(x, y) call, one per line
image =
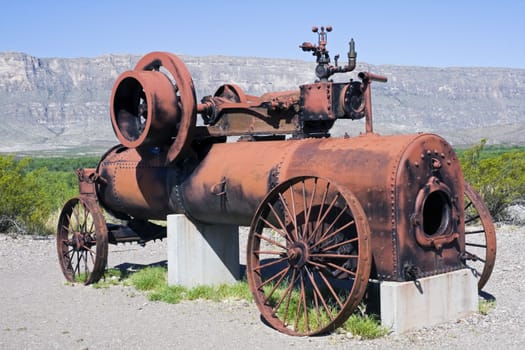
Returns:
point(324, 300)
point(82, 241)
point(480, 243)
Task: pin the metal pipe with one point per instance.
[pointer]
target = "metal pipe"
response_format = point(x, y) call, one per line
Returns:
point(367, 78)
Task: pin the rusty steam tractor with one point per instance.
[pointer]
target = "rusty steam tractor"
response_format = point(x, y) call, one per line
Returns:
point(326, 214)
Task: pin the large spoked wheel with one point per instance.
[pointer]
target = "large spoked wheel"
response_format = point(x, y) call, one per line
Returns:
point(480, 237)
point(309, 256)
point(82, 241)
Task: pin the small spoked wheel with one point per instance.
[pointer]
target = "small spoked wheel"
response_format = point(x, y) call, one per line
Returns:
point(309, 256)
point(82, 241)
point(480, 237)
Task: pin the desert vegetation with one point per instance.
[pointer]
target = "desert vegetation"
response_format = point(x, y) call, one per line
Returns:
point(498, 174)
point(33, 190)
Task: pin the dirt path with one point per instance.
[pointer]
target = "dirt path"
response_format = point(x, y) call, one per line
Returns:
point(39, 311)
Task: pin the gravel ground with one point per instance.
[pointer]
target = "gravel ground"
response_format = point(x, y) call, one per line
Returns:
point(39, 311)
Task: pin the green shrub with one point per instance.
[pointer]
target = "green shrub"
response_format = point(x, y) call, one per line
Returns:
point(150, 278)
point(60, 181)
point(33, 191)
point(63, 164)
point(499, 176)
point(154, 281)
point(365, 326)
point(24, 204)
point(58, 186)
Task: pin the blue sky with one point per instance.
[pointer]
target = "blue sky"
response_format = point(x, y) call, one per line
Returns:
point(423, 33)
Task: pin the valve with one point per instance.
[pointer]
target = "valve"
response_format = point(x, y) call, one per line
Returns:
point(324, 69)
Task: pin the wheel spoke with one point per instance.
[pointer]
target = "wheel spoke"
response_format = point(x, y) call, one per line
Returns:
point(85, 220)
point(92, 229)
point(273, 227)
point(268, 252)
point(340, 244)
point(333, 234)
point(66, 228)
point(327, 211)
point(77, 266)
point(470, 219)
point(271, 263)
point(300, 302)
point(335, 256)
point(310, 207)
point(476, 245)
point(76, 216)
point(276, 216)
point(340, 268)
point(474, 257)
point(474, 232)
point(331, 226)
point(291, 215)
point(331, 289)
point(91, 253)
point(321, 210)
point(286, 295)
point(317, 292)
point(317, 309)
point(86, 265)
point(271, 241)
point(305, 208)
point(303, 292)
point(285, 235)
point(317, 264)
point(281, 275)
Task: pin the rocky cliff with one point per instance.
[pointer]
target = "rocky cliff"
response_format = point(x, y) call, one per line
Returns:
point(63, 104)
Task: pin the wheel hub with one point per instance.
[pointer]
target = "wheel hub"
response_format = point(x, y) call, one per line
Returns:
point(81, 241)
point(298, 254)
point(77, 241)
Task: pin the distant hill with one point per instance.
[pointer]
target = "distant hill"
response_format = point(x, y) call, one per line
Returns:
point(54, 104)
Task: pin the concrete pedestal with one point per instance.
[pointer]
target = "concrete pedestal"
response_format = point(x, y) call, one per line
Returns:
point(201, 254)
point(431, 300)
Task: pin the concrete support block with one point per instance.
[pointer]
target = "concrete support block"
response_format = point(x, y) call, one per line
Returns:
point(431, 300)
point(201, 254)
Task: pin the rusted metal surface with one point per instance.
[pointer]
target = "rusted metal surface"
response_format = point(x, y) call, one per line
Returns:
point(150, 108)
point(134, 185)
point(86, 181)
point(326, 214)
point(230, 112)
